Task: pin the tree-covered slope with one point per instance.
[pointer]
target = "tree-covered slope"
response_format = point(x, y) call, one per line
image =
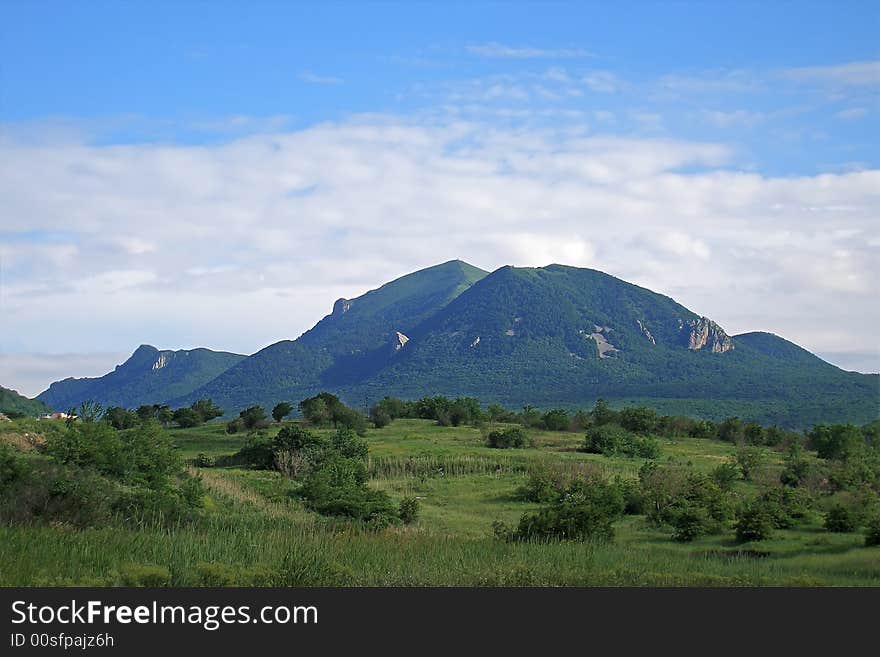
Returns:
point(11, 402)
point(149, 376)
point(551, 336)
point(375, 322)
point(565, 336)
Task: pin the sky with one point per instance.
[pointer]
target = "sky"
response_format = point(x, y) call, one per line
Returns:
point(217, 174)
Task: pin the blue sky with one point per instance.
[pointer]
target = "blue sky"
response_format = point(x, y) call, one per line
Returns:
point(723, 153)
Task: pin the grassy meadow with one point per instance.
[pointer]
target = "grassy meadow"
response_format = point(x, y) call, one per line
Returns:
point(254, 530)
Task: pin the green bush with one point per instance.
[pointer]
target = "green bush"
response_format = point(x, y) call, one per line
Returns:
point(872, 536)
point(690, 522)
point(754, 524)
point(607, 439)
point(509, 438)
point(585, 511)
point(840, 519)
point(542, 486)
point(556, 420)
point(408, 510)
point(147, 575)
point(724, 474)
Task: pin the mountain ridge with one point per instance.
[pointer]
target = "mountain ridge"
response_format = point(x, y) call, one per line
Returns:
point(547, 336)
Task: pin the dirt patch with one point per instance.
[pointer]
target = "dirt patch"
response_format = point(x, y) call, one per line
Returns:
point(26, 441)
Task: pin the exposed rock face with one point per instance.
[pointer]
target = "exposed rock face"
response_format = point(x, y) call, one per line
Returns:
point(161, 362)
point(706, 333)
point(646, 332)
point(398, 340)
point(606, 349)
point(341, 306)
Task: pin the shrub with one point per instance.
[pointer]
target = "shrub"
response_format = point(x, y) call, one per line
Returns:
point(556, 420)
point(409, 510)
point(509, 438)
point(235, 426)
point(638, 419)
point(644, 447)
point(586, 510)
point(840, 519)
point(754, 524)
point(542, 486)
point(748, 459)
point(724, 474)
point(872, 536)
point(252, 416)
point(379, 416)
point(258, 453)
point(138, 574)
point(607, 439)
point(689, 523)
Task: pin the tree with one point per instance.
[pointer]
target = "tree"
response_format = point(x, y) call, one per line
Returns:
point(840, 519)
point(731, 430)
point(556, 420)
point(120, 418)
point(837, 442)
point(638, 419)
point(187, 417)
point(510, 438)
point(253, 416)
point(165, 415)
point(754, 524)
point(207, 410)
point(602, 413)
point(379, 416)
point(748, 459)
point(281, 411)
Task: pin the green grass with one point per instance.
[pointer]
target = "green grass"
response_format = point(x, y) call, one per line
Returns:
point(256, 528)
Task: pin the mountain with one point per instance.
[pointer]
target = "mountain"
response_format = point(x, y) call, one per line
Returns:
point(553, 336)
point(149, 376)
point(12, 403)
point(368, 328)
point(563, 336)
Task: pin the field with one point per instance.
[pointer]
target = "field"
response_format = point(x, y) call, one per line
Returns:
point(256, 531)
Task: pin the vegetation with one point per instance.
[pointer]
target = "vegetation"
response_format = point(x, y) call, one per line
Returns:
point(515, 334)
point(14, 405)
point(417, 501)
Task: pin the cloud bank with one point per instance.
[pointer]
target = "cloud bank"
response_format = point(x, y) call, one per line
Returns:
point(238, 244)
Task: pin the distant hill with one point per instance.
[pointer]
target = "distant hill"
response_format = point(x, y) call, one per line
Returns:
point(149, 376)
point(550, 336)
point(12, 402)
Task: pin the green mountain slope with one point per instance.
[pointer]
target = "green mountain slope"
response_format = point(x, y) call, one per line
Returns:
point(149, 376)
point(12, 402)
point(551, 336)
point(565, 336)
point(358, 329)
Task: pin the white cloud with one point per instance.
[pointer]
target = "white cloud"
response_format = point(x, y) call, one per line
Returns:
point(239, 244)
point(852, 114)
point(497, 50)
point(855, 74)
point(603, 81)
point(314, 78)
point(32, 373)
point(732, 118)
